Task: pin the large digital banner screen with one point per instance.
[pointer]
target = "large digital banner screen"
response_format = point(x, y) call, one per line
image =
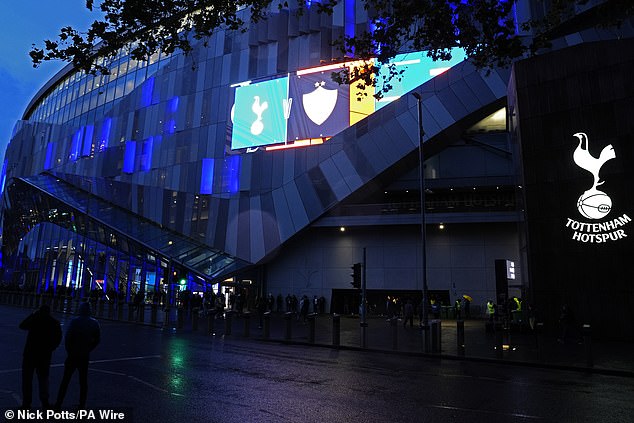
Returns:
point(320, 106)
point(412, 70)
point(308, 107)
point(260, 113)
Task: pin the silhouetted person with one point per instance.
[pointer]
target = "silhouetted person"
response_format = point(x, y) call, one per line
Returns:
point(45, 334)
point(82, 336)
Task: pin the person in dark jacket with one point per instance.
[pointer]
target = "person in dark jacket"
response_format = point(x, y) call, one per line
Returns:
point(82, 336)
point(44, 336)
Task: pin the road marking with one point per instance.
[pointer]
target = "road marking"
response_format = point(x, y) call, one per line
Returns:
point(112, 360)
point(522, 416)
point(143, 357)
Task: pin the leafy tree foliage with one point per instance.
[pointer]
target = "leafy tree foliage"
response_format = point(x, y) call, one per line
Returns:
point(485, 29)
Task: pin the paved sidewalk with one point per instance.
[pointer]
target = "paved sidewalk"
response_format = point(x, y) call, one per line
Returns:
point(525, 348)
point(518, 348)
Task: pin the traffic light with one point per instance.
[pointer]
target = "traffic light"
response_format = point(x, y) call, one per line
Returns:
point(356, 276)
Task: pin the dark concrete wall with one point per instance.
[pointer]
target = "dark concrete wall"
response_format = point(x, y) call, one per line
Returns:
point(587, 88)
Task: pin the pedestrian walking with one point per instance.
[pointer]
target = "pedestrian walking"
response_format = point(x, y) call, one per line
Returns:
point(82, 336)
point(44, 336)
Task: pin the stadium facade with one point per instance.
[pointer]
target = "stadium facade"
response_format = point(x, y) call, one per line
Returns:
point(242, 166)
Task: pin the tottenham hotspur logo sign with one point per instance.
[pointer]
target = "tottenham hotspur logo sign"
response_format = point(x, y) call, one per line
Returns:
point(595, 204)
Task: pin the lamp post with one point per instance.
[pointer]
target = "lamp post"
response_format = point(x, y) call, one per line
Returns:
point(423, 236)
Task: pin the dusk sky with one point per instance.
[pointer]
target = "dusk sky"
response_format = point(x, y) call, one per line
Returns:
point(24, 23)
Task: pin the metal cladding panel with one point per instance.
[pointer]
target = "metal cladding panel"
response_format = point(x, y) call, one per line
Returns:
point(401, 142)
point(496, 80)
point(476, 83)
point(391, 147)
point(256, 228)
point(453, 104)
point(464, 95)
point(335, 179)
point(296, 207)
point(350, 177)
point(270, 224)
point(373, 154)
point(438, 112)
point(232, 229)
point(282, 216)
point(243, 227)
point(308, 194)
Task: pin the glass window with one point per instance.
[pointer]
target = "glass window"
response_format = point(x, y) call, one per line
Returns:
point(119, 88)
point(82, 87)
point(153, 58)
point(129, 83)
point(101, 96)
point(93, 99)
point(89, 83)
point(110, 89)
point(123, 68)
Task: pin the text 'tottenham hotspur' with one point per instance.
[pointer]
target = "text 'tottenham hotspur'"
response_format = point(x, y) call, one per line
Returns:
point(599, 232)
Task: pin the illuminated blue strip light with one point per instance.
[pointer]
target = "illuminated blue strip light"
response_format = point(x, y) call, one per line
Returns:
point(105, 134)
point(75, 146)
point(4, 175)
point(129, 156)
point(169, 127)
point(147, 92)
point(349, 18)
point(88, 134)
point(207, 177)
point(50, 152)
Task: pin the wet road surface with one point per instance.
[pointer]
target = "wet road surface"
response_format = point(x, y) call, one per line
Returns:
point(166, 376)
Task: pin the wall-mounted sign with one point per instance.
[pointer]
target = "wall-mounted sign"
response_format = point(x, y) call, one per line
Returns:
point(595, 204)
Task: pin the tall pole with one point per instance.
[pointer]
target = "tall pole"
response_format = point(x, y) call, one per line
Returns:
point(364, 323)
point(423, 235)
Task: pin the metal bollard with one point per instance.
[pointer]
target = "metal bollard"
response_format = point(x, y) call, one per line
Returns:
point(394, 326)
point(211, 321)
point(100, 308)
point(435, 336)
point(228, 322)
point(247, 323)
point(111, 310)
point(587, 342)
point(426, 338)
point(130, 312)
point(499, 352)
point(166, 321)
point(336, 329)
point(267, 325)
point(288, 318)
point(142, 312)
point(153, 313)
point(460, 337)
point(120, 310)
point(180, 317)
point(195, 319)
point(311, 327)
